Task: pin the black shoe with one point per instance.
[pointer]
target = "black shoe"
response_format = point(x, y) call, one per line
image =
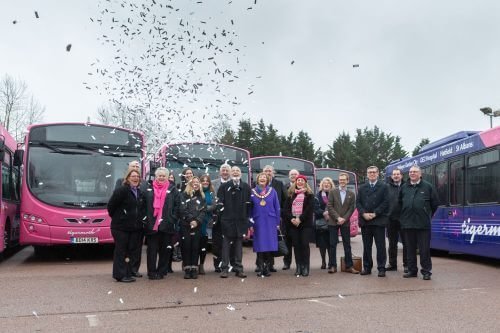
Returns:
point(257, 270)
point(136, 274)
point(323, 266)
point(391, 268)
point(427, 277)
point(409, 275)
point(298, 270)
point(405, 269)
point(126, 279)
point(187, 273)
point(224, 275)
point(218, 270)
point(363, 272)
point(285, 267)
point(194, 273)
point(381, 274)
point(305, 271)
point(240, 275)
point(265, 273)
point(154, 276)
point(169, 270)
point(272, 269)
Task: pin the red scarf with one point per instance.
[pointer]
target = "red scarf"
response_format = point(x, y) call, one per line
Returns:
point(160, 194)
point(298, 202)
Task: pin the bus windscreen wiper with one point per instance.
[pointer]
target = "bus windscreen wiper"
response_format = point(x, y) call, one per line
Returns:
point(85, 204)
point(60, 151)
point(106, 153)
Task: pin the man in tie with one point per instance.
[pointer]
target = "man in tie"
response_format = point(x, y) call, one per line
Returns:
point(234, 211)
point(340, 209)
point(373, 208)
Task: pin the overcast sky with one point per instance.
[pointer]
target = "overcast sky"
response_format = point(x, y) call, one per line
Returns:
point(425, 67)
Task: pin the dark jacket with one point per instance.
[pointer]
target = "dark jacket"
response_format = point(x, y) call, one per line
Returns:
point(307, 216)
point(170, 213)
point(374, 200)
point(394, 208)
point(279, 187)
point(126, 211)
point(193, 208)
point(234, 208)
point(418, 203)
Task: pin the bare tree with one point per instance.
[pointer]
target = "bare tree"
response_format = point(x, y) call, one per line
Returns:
point(18, 108)
point(12, 96)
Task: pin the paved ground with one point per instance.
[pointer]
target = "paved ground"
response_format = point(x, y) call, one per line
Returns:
point(74, 291)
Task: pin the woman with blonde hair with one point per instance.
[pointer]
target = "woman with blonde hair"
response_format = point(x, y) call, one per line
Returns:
point(298, 214)
point(321, 218)
point(193, 209)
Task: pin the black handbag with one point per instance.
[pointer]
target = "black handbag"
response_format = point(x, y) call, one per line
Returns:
point(321, 224)
point(282, 248)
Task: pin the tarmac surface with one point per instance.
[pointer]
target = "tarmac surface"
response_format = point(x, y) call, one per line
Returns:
point(72, 290)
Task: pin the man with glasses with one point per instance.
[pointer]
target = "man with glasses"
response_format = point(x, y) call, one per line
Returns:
point(419, 201)
point(373, 208)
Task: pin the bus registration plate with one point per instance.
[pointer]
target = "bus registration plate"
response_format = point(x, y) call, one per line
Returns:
point(84, 240)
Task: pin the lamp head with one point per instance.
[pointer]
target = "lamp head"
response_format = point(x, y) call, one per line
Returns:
point(486, 110)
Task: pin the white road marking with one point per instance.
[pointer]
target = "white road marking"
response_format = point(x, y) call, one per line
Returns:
point(93, 321)
point(322, 303)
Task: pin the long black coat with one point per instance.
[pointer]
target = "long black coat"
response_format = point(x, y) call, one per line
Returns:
point(279, 187)
point(374, 200)
point(193, 208)
point(126, 211)
point(234, 208)
point(170, 213)
point(306, 218)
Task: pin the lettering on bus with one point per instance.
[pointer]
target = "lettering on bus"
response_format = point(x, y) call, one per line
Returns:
point(481, 229)
point(88, 232)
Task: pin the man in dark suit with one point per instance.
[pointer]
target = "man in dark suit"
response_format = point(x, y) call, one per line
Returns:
point(340, 207)
point(373, 208)
point(234, 210)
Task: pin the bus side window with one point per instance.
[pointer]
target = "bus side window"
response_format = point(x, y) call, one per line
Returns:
point(483, 177)
point(441, 182)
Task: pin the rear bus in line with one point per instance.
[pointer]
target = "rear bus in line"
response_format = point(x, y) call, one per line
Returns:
point(465, 169)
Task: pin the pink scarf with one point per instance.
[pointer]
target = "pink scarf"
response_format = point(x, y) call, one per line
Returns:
point(298, 202)
point(160, 194)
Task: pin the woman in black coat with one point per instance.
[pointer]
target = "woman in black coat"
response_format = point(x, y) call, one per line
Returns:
point(162, 208)
point(298, 214)
point(126, 209)
point(192, 211)
point(321, 218)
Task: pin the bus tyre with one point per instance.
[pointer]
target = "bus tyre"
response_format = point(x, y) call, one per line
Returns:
point(6, 239)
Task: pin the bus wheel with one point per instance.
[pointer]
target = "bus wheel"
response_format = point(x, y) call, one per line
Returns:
point(6, 239)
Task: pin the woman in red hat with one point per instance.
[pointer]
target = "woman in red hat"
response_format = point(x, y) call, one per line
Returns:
point(298, 214)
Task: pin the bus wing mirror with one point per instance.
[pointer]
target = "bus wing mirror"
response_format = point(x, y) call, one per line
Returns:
point(18, 157)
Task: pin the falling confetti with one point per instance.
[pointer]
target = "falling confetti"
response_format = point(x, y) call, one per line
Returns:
point(195, 290)
point(36, 14)
point(121, 300)
point(340, 296)
point(68, 47)
point(110, 292)
point(230, 307)
point(35, 314)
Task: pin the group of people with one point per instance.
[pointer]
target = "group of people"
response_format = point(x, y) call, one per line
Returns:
point(228, 208)
point(404, 210)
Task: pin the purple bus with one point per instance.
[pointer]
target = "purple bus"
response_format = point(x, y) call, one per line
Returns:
point(465, 169)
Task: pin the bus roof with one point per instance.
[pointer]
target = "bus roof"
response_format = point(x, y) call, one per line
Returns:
point(469, 143)
point(450, 138)
point(10, 142)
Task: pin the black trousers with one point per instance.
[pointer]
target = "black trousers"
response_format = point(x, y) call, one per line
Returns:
point(264, 260)
point(300, 242)
point(346, 241)
point(368, 234)
point(190, 247)
point(158, 253)
point(127, 244)
point(135, 258)
point(420, 238)
point(232, 253)
point(287, 260)
point(217, 244)
point(394, 234)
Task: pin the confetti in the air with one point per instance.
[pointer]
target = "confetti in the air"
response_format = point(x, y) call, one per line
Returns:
point(68, 47)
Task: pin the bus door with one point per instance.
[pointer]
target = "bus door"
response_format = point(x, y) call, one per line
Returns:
point(455, 210)
point(440, 227)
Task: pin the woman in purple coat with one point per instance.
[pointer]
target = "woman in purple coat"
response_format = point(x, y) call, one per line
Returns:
point(266, 218)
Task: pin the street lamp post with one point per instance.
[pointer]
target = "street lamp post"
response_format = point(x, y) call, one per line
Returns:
point(487, 111)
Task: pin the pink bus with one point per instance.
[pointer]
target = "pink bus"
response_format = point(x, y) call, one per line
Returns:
point(9, 178)
point(69, 173)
